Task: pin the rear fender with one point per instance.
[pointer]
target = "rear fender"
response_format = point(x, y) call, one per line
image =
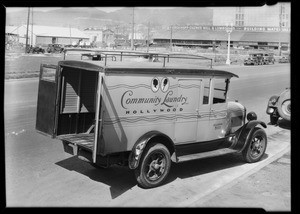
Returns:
point(142, 142)
point(245, 134)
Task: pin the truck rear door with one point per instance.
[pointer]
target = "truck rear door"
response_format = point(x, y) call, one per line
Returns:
point(46, 101)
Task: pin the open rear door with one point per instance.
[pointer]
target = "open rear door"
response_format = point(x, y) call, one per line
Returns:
point(46, 102)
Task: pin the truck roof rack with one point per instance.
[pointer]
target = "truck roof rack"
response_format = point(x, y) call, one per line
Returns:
point(105, 54)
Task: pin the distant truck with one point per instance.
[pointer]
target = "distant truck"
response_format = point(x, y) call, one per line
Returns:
point(254, 59)
point(268, 58)
point(55, 48)
point(144, 115)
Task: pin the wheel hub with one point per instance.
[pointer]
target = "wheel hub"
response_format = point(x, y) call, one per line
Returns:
point(257, 147)
point(156, 168)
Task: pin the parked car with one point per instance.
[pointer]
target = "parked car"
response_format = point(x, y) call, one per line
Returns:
point(254, 59)
point(284, 59)
point(36, 49)
point(268, 58)
point(55, 48)
point(145, 115)
point(280, 106)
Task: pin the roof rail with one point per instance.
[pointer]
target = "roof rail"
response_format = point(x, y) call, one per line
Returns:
point(150, 55)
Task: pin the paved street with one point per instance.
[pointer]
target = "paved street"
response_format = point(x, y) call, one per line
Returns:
point(39, 173)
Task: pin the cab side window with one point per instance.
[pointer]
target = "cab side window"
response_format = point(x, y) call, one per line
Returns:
point(220, 90)
point(206, 90)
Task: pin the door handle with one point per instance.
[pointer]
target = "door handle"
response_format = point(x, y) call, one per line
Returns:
point(198, 115)
point(212, 111)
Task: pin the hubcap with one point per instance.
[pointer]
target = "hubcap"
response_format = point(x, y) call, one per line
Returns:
point(156, 166)
point(257, 146)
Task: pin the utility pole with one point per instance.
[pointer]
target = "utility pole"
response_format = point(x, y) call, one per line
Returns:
point(70, 34)
point(32, 26)
point(132, 32)
point(171, 29)
point(27, 30)
point(229, 29)
point(148, 40)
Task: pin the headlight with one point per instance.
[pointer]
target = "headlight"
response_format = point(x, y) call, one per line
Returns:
point(251, 116)
point(270, 110)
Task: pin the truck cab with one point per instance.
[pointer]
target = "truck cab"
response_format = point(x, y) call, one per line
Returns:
point(144, 115)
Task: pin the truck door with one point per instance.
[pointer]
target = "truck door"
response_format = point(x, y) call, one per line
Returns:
point(218, 109)
point(203, 111)
point(188, 95)
point(46, 101)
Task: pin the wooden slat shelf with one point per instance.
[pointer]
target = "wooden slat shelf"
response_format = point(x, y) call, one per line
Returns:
point(82, 140)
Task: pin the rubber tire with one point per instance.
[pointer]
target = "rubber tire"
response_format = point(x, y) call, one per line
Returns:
point(273, 119)
point(285, 96)
point(246, 152)
point(141, 175)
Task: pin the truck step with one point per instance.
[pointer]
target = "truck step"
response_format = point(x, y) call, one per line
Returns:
point(205, 154)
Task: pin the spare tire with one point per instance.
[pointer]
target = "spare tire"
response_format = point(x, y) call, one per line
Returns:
point(284, 105)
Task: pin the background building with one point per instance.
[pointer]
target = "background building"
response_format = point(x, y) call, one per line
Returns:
point(278, 15)
point(44, 35)
point(219, 38)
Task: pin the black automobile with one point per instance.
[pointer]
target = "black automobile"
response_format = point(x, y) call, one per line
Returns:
point(55, 48)
point(284, 59)
point(36, 49)
point(254, 59)
point(280, 106)
point(268, 58)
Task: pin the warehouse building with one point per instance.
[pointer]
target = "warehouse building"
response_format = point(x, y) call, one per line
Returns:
point(219, 38)
point(44, 35)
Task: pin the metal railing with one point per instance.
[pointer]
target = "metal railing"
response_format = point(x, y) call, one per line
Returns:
point(152, 56)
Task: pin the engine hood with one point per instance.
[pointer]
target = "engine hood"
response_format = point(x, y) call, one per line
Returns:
point(236, 109)
point(236, 115)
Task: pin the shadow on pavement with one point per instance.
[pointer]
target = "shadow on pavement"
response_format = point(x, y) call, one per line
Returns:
point(282, 123)
point(207, 165)
point(119, 179)
point(285, 124)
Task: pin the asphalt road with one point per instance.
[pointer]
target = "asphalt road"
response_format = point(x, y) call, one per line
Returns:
point(39, 173)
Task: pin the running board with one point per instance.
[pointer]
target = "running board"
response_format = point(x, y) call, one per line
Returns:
point(205, 154)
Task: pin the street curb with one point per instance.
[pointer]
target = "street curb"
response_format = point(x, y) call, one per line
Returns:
point(200, 199)
point(232, 183)
point(22, 79)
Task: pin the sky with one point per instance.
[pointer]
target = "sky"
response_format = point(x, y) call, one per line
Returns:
point(44, 9)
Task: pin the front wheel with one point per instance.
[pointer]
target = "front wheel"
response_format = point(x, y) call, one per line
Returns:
point(256, 147)
point(154, 166)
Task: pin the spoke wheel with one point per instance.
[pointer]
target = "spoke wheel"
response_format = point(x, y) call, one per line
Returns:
point(256, 148)
point(154, 166)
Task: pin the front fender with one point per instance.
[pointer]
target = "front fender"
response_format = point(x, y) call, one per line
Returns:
point(273, 101)
point(245, 134)
point(140, 145)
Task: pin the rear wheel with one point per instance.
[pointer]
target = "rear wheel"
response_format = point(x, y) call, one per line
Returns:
point(154, 166)
point(256, 147)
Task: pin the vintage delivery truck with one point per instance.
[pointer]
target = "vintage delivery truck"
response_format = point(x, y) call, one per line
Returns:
point(144, 115)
